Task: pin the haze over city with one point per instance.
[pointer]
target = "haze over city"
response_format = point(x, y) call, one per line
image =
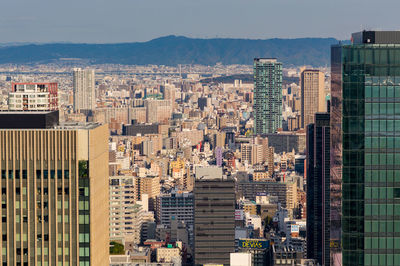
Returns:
point(105, 21)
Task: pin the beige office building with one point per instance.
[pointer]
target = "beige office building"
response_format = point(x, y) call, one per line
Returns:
point(312, 95)
point(54, 195)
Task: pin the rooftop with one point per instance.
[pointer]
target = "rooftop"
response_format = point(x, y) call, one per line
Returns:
point(76, 125)
point(376, 37)
point(265, 60)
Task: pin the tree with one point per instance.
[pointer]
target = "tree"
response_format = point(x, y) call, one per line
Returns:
point(116, 248)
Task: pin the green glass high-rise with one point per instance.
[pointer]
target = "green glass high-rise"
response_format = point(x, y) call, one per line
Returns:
point(267, 95)
point(365, 150)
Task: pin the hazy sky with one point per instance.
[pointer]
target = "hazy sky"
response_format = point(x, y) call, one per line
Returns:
point(107, 21)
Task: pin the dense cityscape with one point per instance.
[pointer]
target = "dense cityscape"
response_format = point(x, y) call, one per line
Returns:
point(257, 164)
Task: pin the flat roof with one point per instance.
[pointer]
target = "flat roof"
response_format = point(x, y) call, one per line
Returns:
point(266, 60)
point(77, 125)
point(6, 112)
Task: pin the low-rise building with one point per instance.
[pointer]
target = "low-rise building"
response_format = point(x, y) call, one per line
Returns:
point(168, 254)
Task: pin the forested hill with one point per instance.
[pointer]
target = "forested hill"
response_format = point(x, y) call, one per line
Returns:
point(174, 50)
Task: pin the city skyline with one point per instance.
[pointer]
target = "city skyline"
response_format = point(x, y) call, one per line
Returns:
point(191, 165)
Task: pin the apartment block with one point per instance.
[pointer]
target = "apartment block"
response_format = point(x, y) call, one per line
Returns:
point(125, 214)
point(84, 89)
point(33, 97)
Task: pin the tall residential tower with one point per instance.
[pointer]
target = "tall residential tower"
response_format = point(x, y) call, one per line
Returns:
point(84, 89)
point(267, 95)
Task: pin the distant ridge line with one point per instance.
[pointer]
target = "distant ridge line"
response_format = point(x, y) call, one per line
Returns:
point(173, 50)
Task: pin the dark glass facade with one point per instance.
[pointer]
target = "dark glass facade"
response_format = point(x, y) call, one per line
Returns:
point(318, 189)
point(366, 102)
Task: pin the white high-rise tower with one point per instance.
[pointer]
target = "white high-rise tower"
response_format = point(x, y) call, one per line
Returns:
point(84, 90)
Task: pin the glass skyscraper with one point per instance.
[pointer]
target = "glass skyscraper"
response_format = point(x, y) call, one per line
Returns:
point(267, 95)
point(365, 145)
point(318, 188)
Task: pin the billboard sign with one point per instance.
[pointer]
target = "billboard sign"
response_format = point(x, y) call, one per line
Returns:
point(253, 243)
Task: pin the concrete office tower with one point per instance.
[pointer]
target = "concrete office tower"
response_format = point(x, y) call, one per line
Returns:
point(214, 216)
point(176, 205)
point(365, 139)
point(84, 89)
point(318, 189)
point(54, 191)
point(33, 97)
point(267, 95)
point(313, 100)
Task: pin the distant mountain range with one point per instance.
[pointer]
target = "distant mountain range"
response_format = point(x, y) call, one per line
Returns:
point(174, 50)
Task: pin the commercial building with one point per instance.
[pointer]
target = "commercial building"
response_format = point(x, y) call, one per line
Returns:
point(214, 218)
point(365, 109)
point(84, 89)
point(312, 83)
point(33, 97)
point(175, 206)
point(258, 249)
point(318, 189)
point(267, 95)
point(140, 129)
point(28, 120)
point(289, 255)
point(168, 254)
point(285, 191)
point(287, 141)
point(54, 188)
